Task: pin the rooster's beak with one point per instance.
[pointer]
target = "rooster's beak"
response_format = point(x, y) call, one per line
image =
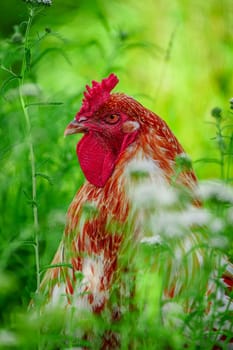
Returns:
point(75, 127)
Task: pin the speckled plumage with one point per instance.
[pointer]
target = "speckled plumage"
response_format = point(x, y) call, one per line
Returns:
point(99, 219)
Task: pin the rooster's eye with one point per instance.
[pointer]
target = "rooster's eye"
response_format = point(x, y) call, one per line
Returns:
point(112, 118)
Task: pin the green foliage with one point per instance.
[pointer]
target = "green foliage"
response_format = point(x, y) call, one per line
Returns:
point(45, 62)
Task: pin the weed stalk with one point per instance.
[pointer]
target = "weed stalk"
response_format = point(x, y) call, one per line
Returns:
point(25, 67)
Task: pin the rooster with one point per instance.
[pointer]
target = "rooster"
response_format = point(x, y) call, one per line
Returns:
point(118, 133)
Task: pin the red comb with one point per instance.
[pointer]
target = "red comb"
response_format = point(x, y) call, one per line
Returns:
point(96, 95)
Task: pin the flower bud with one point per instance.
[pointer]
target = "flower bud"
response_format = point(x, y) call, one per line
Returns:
point(231, 103)
point(216, 113)
point(183, 161)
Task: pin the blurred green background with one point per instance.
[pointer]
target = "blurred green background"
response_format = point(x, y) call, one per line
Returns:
point(175, 57)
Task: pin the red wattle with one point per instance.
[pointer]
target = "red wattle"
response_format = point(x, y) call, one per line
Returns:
point(97, 161)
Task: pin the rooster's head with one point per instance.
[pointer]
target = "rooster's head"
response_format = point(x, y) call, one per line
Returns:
point(109, 127)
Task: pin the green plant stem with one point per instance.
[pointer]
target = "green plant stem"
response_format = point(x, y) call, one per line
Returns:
point(220, 146)
point(31, 148)
point(230, 158)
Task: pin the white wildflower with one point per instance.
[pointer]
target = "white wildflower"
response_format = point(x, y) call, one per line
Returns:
point(194, 216)
point(229, 216)
point(215, 190)
point(177, 223)
point(39, 2)
point(31, 89)
point(143, 166)
point(219, 242)
point(216, 225)
point(166, 223)
point(173, 314)
point(151, 240)
point(7, 338)
point(28, 89)
point(148, 195)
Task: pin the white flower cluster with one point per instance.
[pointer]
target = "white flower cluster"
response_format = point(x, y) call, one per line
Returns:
point(140, 168)
point(40, 2)
point(162, 210)
point(215, 190)
point(176, 223)
point(150, 195)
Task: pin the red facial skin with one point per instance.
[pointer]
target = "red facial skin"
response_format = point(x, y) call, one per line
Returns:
point(105, 138)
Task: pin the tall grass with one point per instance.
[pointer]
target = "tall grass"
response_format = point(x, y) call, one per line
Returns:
point(35, 159)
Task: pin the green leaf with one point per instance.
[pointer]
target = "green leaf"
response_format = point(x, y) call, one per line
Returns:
point(149, 47)
point(46, 177)
point(27, 195)
point(7, 82)
point(9, 71)
point(28, 58)
point(48, 50)
point(44, 104)
point(29, 243)
point(208, 160)
point(227, 126)
point(52, 266)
